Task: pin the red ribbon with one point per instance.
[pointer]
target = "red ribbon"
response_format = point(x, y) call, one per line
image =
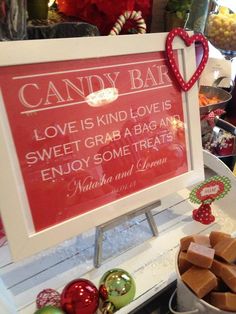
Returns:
point(210, 117)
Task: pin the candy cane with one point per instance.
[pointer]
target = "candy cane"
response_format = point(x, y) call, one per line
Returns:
point(129, 15)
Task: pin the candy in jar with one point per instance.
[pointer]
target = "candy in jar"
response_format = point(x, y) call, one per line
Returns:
point(221, 29)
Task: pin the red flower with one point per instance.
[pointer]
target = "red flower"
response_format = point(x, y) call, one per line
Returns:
point(103, 13)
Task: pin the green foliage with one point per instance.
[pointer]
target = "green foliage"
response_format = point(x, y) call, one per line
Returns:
point(180, 7)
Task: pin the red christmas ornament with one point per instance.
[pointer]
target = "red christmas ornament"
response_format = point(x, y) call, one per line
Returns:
point(103, 292)
point(48, 297)
point(80, 296)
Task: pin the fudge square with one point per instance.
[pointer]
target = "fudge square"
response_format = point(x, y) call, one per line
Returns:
point(217, 236)
point(223, 300)
point(226, 249)
point(200, 280)
point(200, 255)
point(183, 263)
point(228, 275)
point(196, 238)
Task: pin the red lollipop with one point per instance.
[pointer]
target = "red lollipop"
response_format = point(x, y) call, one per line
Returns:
point(80, 296)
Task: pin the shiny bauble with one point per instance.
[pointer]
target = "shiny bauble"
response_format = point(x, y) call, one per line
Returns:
point(118, 287)
point(107, 308)
point(80, 296)
point(49, 310)
point(48, 297)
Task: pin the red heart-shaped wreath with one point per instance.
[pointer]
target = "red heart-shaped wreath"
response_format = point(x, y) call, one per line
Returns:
point(199, 38)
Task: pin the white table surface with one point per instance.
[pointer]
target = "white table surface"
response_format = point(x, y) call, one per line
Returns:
point(151, 260)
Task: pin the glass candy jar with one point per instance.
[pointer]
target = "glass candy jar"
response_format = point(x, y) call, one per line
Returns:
point(221, 29)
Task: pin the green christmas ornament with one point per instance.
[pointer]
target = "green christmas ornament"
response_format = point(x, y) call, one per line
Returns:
point(49, 310)
point(118, 287)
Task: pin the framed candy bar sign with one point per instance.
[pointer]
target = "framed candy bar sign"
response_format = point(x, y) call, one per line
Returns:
point(90, 129)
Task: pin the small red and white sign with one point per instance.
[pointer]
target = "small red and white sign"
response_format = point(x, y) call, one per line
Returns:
point(210, 190)
point(206, 193)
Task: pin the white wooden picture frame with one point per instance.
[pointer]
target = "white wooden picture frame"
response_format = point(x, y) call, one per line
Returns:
point(19, 60)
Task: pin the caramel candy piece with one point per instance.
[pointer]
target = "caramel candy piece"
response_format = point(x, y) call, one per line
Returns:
point(200, 255)
point(200, 280)
point(228, 275)
point(226, 249)
point(223, 300)
point(216, 236)
point(217, 266)
point(196, 238)
point(183, 263)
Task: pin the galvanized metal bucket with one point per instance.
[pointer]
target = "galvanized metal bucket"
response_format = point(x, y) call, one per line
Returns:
point(188, 302)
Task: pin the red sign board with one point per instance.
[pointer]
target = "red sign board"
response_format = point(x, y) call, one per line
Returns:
point(77, 149)
point(2, 234)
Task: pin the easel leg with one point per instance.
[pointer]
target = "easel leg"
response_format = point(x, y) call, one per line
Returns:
point(98, 247)
point(152, 223)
